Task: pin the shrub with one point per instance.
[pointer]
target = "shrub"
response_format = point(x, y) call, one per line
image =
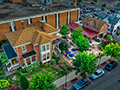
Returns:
point(104, 5)
point(114, 41)
point(49, 63)
point(0, 63)
point(2, 72)
point(62, 67)
point(53, 61)
point(36, 65)
point(46, 64)
point(54, 55)
point(24, 83)
point(57, 59)
point(41, 65)
point(17, 72)
point(2, 77)
point(109, 36)
point(20, 72)
point(95, 0)
point(23, 70)
point(97, 40)
point(61, 62)
point(4, 84)
point(0, 68)
point(1, 43)
point(101, 47)
point(29, 68)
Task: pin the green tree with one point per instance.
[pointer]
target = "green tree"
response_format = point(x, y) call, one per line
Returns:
point(82, 43)
point(42, 81)
point(112, 50)
point(3, 58)
point(24, 83)
point(63, 45)
point(104, 5)
point(64, 30)
point(0, 63)
point(84, 63)
point(77, 33)
point(95, 0)
point(1, 43)
point(79, 0)
point(4, 84)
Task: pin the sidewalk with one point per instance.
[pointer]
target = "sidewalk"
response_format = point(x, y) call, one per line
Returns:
point(72, 78)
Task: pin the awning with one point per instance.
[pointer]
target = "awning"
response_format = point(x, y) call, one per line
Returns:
point(89, 32)
point(28, 54)
point(10, 53)
point(86, 31)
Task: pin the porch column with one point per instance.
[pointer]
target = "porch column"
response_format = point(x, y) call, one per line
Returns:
point(25, 62)
point(44, 18)
point(11, 63)
point(29, 21)
point(31, 59)
point(57, 20)
point(12, 26)
point(78, 14)
point(68, 17)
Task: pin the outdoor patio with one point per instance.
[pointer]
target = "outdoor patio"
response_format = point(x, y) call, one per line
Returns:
point(72, 50)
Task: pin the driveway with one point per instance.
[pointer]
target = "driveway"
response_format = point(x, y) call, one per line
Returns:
point(109, 81)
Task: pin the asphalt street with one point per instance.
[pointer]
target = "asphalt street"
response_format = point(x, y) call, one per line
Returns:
point(109, 81)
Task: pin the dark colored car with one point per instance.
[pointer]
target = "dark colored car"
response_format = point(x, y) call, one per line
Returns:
point(92, 3)
point(112, 10)
point(82, 83)
point(111, 65)
point(96, 14)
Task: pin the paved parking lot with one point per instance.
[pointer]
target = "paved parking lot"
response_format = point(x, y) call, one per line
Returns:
point(109, 81)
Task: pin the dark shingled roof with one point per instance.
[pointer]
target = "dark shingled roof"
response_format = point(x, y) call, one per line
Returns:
point(55, 42)
point(28, 54)
point(10, 53)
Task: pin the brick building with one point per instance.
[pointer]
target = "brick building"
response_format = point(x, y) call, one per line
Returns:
point(33, 43)
point(13, 13)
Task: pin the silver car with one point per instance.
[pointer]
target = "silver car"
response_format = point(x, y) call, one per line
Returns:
point(97, 74)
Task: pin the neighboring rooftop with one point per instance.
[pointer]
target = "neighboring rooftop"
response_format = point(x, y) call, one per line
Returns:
point(102, 16)
point(97, 23)
point(113, 19)
point(32, 33)
point(18, 10)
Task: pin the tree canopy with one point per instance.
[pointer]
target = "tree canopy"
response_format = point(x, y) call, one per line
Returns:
point(77, 33)
point(113, 50)
point(84, 63)
point(42, 81)
point(63, 45)
point(64, 30)
point(82, 43)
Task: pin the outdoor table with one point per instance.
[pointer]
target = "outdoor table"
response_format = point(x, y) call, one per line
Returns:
point(90, 49)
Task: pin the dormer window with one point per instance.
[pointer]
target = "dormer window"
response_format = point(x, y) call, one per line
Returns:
point(23, 49)
point(102, 26)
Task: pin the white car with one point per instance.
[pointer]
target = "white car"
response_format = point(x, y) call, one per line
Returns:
point(97, 74)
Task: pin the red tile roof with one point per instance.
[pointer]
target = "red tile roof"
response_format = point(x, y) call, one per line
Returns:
point(86, 31)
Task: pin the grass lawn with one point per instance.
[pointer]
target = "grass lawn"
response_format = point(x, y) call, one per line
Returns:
point(55, 72)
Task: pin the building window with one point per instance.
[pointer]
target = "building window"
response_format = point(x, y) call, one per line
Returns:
point(14, 25)
point(14, 61)
point(23, 49)
point(46, 19)
point(48, 0)
point(84, 25)
point(10, 26)
point(51, 35)
point(27, 21)
point(33, 58)
point(30, 20)
point(56, 20)
point(44, 57)
point(43, 48)
point(47, 46)
point(48, 55)
point(102, 26)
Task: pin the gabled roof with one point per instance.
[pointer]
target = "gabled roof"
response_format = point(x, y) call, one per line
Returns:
point(31, 33)
point(97, 23)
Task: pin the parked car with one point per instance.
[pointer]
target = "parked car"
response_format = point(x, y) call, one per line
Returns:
point(112, 10)
point(96, 14)
point(97, 74)
point(92, 3)
point(111, 65)
point(82, 83)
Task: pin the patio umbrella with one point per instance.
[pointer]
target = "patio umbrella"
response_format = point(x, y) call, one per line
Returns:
point(67, 52)
point(58, 39)
point(74, 49)
point(118, 27)
point(71, 55)
point(90, 42)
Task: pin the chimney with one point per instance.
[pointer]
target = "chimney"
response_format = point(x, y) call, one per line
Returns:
point(43, 25)
point(74, 2)
point(22, 24)
point(15, 1)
